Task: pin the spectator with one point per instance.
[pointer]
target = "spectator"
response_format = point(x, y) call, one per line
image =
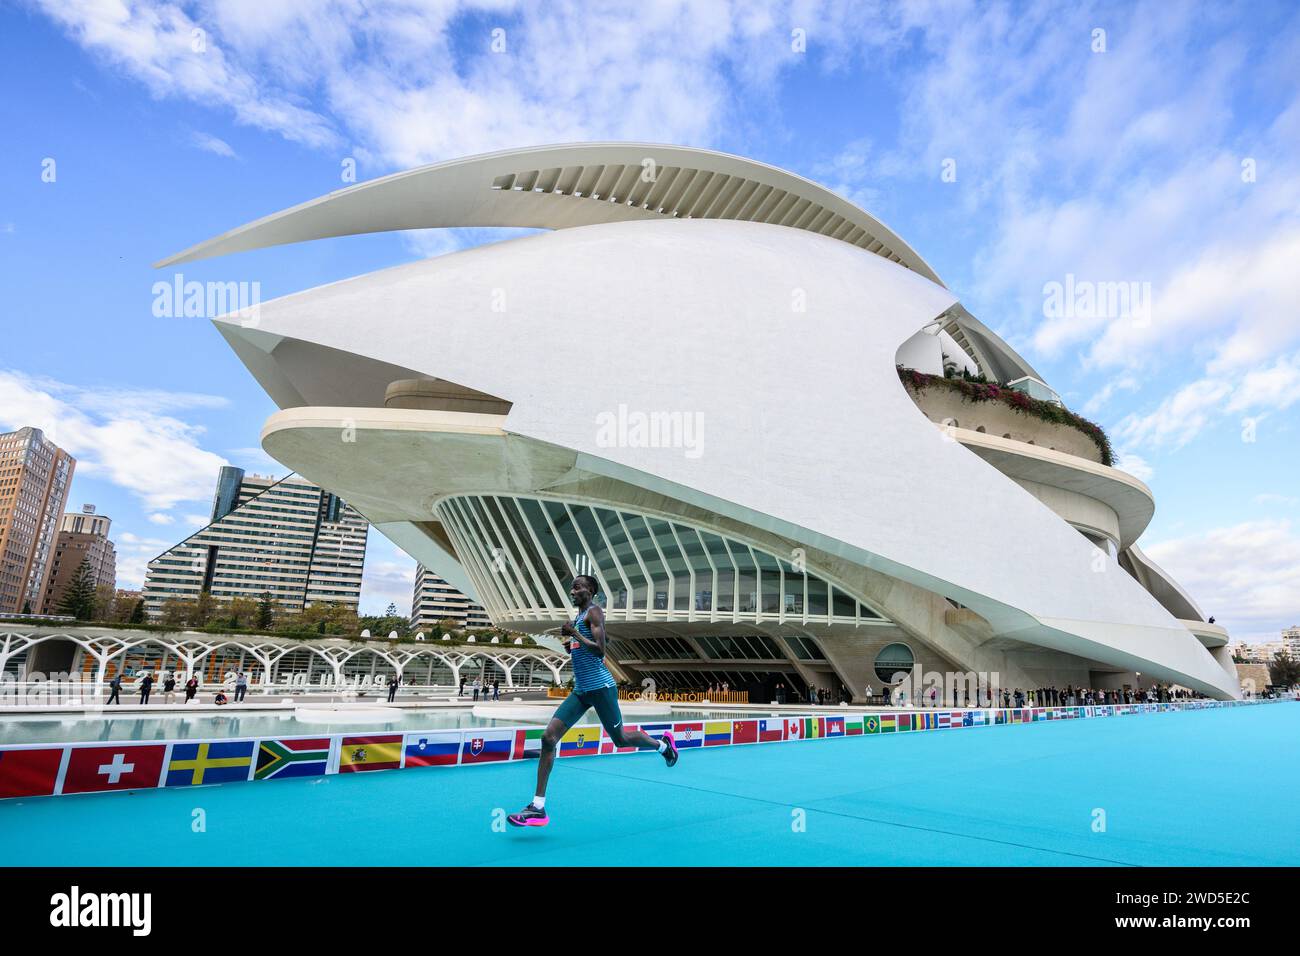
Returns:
point(146, 685)
point(241, 686)
point(115, 689)
point(393, 683)
point(191, 688)
point(461, 691)
point(169, 687)
point(496, 688)
point(221, 698)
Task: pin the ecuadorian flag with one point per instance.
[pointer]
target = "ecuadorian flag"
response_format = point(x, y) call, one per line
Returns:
point(218, 761)
point(580, 742)
point(380, 752)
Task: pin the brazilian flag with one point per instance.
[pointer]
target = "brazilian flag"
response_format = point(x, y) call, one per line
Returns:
point(872, 725)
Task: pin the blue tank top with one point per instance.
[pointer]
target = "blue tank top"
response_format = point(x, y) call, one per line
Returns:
point(589, 671)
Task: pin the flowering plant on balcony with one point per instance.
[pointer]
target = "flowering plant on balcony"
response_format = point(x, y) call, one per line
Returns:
point(975, 391)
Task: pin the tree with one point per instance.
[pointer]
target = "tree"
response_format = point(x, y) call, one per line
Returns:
point(265, 612)
point(392, 610)
point(137, 612)
point(1284, 671)
point(27, 607)
point(79, 599)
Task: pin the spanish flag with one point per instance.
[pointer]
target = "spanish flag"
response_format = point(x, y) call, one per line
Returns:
point(382, 752)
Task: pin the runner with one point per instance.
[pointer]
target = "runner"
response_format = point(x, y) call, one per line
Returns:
point(593, 686)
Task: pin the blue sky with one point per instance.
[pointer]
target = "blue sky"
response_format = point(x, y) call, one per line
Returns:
point(1160, 151)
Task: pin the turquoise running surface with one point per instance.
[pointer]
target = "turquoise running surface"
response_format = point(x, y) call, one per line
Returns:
point(1201, 788)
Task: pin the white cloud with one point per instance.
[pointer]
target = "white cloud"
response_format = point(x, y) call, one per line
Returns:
point(1135, 465)
point(211, 144)
point(160, 518)
point(133, 556)
point(389, 577)
point(1270, 498)
point(1178, 419)
point(1246, 575)
point(121, 435)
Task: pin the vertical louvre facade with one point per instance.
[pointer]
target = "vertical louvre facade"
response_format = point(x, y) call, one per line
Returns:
point(35, 476)
point(522, 552)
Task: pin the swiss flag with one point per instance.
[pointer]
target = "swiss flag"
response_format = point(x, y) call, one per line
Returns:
point(92, 769)
point(29, 773)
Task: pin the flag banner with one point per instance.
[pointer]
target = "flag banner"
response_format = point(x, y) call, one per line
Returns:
point(794, 729)
point(853, 726)
point(906, 721)
point(871, 725)
point(978, 718)
point(744, 731)
point(771, 730)
point(607, 742)
point(943, 721)
point(580, 742)
point(888, 723)
point(690, 734)
point(29, 773)
point(292, 758)
point(717, 733)
point(968, 719)
point(834, 726)
point(955, 719)
point(999, 717)
point(435, 748)
point(375, 752)
point(214, 761)
point(528, 743)
point(121, 767)
point(814, 727)
point(486, 745)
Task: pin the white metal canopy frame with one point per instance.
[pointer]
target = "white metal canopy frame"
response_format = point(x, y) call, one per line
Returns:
point(190, 649)
point(692, 283)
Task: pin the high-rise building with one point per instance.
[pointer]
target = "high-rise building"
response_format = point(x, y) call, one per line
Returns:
point(35, 475)
point(283, 537)
point(435, 600)
point(83, 535)
point(1291, 641)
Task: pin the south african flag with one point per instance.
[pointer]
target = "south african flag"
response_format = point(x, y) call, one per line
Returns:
point(292, 758)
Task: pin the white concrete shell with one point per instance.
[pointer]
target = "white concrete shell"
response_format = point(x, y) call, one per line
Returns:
point(782, 340)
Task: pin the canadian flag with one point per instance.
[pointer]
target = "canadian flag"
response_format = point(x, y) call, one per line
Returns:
point(794, 729)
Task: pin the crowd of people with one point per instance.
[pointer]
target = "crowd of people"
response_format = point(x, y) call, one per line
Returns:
point(482, 687)
point(170, 680)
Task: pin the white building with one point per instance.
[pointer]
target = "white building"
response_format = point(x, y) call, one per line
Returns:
point(1291, 642)
point(690, 388)
point(435, 600)
point(285, 537)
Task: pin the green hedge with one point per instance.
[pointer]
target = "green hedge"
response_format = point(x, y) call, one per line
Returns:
point(1034, 407)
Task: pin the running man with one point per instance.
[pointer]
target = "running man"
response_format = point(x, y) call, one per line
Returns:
point(593, 686)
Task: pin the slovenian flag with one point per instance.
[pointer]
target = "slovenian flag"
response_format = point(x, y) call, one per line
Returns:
point(744, 731)
point(436, 749)
point(580, 742)
point(771, 731)
point(486, 746)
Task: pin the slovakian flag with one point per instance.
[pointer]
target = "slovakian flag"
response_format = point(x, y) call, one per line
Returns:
point(124, 767)
point(438, 748)
point(308, 757)
point(214, 761)
point(29, 773)
point(486, 746)
point(794, 729)
point(717, 733)
point(771, 731)
point(528, 742)
point(744, 731)
point(374, 752)
point(580, 742)
point(688, 735)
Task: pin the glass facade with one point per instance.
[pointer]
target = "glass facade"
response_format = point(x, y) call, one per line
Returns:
point(522, 554)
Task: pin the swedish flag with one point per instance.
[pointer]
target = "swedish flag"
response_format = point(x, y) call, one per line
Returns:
point(219, 761)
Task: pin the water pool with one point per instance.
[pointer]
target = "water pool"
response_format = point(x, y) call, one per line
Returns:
point(22, 729)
